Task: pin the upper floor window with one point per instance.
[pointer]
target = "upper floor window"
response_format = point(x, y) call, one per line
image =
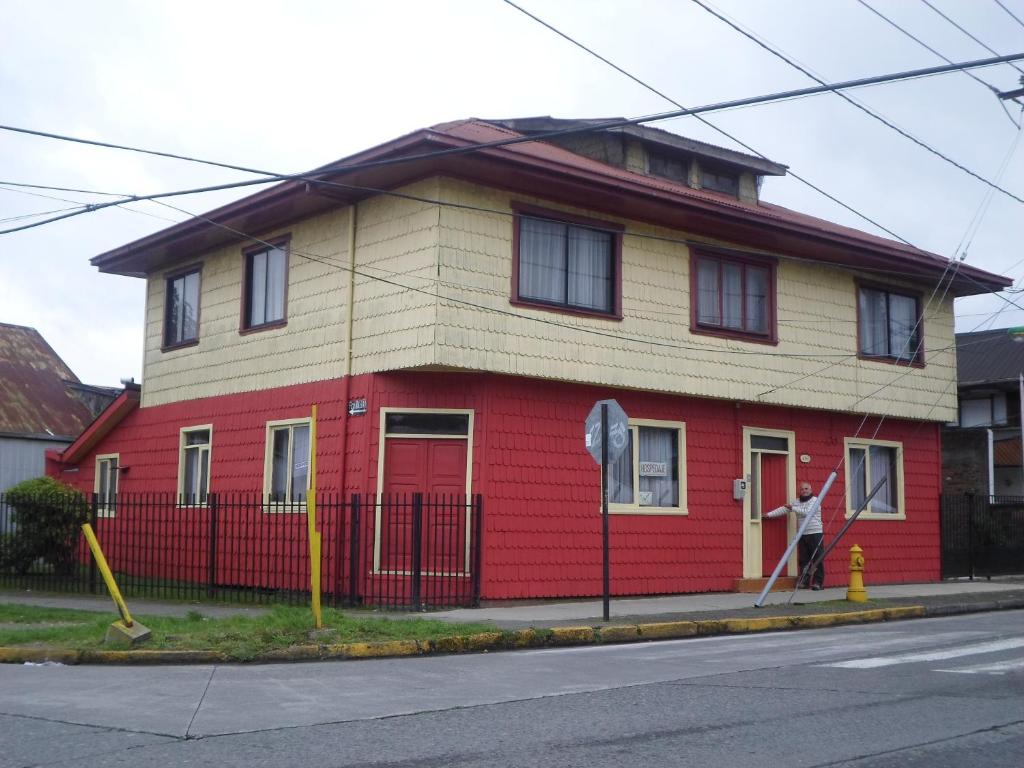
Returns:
point(983, 411)
point(720, 181)
point(567, 265)
point(286, 477)
point(105, 485)
point(194, 465)
point(889, 325)
point(266, 286)
point(181, 315)
point(734, 297)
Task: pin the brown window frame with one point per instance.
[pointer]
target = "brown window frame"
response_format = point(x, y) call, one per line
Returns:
point(771, 336)
point(918, 360)
point(169, 278)
point(244, 326)
point(521, 210)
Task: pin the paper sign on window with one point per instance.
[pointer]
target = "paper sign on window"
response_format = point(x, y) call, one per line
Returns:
point(646, 498)
point(653, 469)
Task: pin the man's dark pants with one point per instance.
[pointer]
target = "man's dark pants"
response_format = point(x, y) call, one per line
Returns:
point(810, 544)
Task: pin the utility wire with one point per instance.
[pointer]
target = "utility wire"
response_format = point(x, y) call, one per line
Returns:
point(775, 52)
point(721, 131)
point(315, 176)
point(975, 39)
point(1008, 11)
point(919, 41)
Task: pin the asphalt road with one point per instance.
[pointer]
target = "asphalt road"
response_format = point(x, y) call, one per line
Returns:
point(933, 692)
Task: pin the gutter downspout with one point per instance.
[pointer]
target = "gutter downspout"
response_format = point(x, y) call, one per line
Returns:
point(346, 387)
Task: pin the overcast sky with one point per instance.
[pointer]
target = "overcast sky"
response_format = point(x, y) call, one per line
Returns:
point(287, 86)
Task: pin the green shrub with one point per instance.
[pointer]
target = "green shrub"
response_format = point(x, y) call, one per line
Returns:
point(47, 516)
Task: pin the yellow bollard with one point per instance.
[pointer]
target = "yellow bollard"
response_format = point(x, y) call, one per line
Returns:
point(856, 592)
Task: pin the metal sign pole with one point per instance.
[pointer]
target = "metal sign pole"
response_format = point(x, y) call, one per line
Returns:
point(604, 509)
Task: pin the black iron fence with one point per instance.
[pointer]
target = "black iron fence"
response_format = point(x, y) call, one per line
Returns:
point(982, 535)
point(408, 551)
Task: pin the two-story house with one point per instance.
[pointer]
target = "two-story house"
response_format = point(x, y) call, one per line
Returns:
point(455, 304)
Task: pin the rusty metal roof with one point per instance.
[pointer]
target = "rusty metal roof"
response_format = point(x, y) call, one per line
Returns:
point(37, 389)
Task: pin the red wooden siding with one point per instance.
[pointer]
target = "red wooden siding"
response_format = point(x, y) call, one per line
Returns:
point(541, 535)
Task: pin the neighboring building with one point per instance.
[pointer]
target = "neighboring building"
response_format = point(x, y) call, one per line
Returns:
point(981, 448)
point(43, 405)
point(456, 331)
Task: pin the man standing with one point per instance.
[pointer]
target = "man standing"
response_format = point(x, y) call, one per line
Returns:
point(810, 542)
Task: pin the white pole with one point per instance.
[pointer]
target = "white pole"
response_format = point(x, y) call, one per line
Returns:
point(792, 544)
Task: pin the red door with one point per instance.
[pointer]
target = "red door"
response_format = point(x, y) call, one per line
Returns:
point(774, 537)
point(437, 469)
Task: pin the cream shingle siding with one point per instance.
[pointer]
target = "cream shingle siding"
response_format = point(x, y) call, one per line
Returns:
point(816, 310)
point(447, 253)
point(397, 240)
point(308, 348)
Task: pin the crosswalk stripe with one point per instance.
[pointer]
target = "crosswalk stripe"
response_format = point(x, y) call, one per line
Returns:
point(998, 668)
point(908, 658)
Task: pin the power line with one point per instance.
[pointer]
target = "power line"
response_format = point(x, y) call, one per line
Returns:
point(706, 122)
point(314, 176)
point(760, 42)
point(919, 41)
point(1011, 14)
point(979, 42)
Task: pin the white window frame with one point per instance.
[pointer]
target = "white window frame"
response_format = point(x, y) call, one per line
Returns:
point(865, 443)
point(296, 507)
point(181, 464)
point(103, 506)
point(635, 508)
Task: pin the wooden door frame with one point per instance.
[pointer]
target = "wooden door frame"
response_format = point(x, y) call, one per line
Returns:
point(383, 436)
point(752, 545)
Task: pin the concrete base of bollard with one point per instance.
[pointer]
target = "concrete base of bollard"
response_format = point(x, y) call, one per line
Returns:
point(119, 635)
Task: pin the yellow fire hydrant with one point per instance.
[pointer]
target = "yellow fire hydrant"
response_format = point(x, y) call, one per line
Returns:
point(856, 592)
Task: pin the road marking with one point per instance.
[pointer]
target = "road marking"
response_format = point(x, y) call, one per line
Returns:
point(999, 668)
point(910, 658)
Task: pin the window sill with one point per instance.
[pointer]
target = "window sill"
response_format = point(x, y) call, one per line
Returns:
point(566, 310)
point(890, 360)
point(179, 345)
point(245, 331)
point(700, 330)
point(631, 509)
point(877, 515)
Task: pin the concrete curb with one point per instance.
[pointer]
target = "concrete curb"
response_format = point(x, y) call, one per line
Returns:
point(516, 639)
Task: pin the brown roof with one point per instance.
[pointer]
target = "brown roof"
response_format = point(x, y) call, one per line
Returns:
point(528, 167)
point(35, 397)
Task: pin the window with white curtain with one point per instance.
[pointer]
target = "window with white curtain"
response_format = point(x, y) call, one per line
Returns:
point(734, 296)
point(566, 265)
point(266, 279)
point(889, 325)
point(287, 462)
point(649, 476)
point(105, 485)
point(868, 462)
point(194, 465)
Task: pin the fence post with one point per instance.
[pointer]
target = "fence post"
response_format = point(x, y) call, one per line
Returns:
point(970, 536)
point(478, 535)
point(417, 548)
point(211, 561)
point(353, 552)
point(94, 516)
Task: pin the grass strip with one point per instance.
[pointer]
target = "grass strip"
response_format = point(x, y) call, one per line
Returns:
point(240, 638)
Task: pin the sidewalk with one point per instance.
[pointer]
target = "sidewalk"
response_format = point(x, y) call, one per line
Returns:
point(721, 605)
